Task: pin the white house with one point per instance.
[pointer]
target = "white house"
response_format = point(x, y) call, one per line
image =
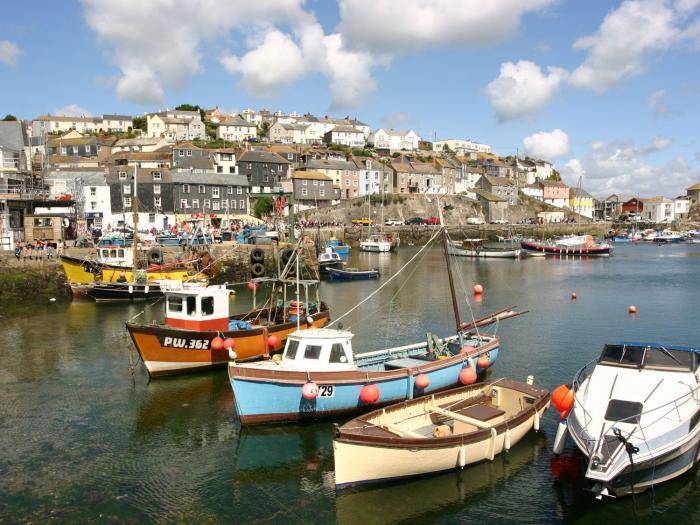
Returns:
point(395, 140)
point(534, 190)
point(461, 147)
point(370, 175)
point(681, 207)
point(90, 191)
point(658, 209)
point(288, 133)
point(175, 125)
point(236, 129)
point(346, 136)
point(117, 123)
point(146, 144)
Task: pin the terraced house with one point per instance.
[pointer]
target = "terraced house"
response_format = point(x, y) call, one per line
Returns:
point(263, 169)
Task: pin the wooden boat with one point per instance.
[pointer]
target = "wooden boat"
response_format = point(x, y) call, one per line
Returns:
point(435, 433)
point(634, 414)
point(352, 274)
point(582, 245)
point(197, 324)
point(476, 248)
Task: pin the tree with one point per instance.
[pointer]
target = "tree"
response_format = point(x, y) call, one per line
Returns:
point(555, 176)
point(446, 148)
point(9, 118)
point(263, 207)
point(190, 107)
point(263, 129)
point(140, 123)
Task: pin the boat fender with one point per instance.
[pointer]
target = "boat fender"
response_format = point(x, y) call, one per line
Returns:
point(257, 269)
point(462, 458)
point(560, 437)
point(131, 289)
point(506, 440)
point(492, 446)
point(155, 256)
point(536, 424)
point(257, 255)
point(309, 391)
point(287, 255)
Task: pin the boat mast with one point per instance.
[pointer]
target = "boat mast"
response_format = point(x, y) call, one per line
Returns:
point(135, 207)
point(455, 303)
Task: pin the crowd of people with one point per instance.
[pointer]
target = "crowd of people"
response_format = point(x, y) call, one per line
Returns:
point(39, 250)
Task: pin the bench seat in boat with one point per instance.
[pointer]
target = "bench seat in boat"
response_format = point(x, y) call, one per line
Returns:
point(404, 362)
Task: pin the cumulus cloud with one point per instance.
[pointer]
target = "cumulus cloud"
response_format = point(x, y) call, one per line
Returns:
point(627, 38)
point(625, 167)
point(9, 53)
point(73, 110)
point(547, 145)
point(385, 26)
point(522, 89)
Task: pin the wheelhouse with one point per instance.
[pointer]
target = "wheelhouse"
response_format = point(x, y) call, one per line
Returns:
point(315, 348)
point(197, 307)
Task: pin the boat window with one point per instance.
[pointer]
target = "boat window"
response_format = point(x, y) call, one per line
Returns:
point(312, 352)
point(622, 355)
point(679, 360)
point(175, 303)
point(191, 305)
point(292, 347)
point(337, 354)
point(105, 253)
point(626, 411)
point(207, 305)
point(113, 253)
point(121, 253)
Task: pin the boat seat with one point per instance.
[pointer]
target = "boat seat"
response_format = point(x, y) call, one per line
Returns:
point(404, 362)
point(460, 417)
point(481, 412)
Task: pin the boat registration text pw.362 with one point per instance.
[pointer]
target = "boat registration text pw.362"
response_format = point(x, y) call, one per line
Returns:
point(184, 342)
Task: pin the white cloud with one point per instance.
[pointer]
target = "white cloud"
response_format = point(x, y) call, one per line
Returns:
point(73, 110)
point(626, 40)
point(657, 102)
point(390, 27)
point(547, 145)
point(624, 167)
point(522, 89)
point(9, 53)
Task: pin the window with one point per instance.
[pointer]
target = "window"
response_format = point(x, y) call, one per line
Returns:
point(185, 188)
point(337, 354)
point(304, 182)
point(93, 191)
point(189, 152)
point(239, 190)
point(175, 303)
point(183, 204)
point(207, 305)
point(216, 206)
point(233, 204)
point(250, 165)
point(157, 202)
point(151, 218)
point(312, 352)
point(122, 175)
point(201, 188)
point(156, 189)
point(229, 190)
point(219, 169)
point(182, 152)
point(266, 177)
point(64, 150)
point(195, 203)
point(321, 193)
point(207, 204)
point(191, 305)
point(127, 189)
point(292, 347)
point(75, 150)
point(157, 175)
point(241, 204)
point(304, 192)
point(315, 183)
point(88, 148)
point(215, 192)
point(93, 206)
point(127, 202)
point(224, 204)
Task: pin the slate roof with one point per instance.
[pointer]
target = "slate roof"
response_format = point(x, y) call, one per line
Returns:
point(313, 175)
point(262, 156)
point(488, 196)
point(330, 164)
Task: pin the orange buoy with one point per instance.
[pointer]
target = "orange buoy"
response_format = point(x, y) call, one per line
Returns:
point(217, 343)
point(252, 285)
point(573, 296)
point(478, 289)
point(229, 343)
point(309, 391)
point(272, 341)
point(369, 394)
point(483, 361)
point(422, 381)
point(632, 309)
point(467, 376)
point(563, 399)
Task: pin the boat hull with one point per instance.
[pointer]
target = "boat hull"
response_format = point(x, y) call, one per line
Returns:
point(106, 292)
point(78, 271)
point(485, 253)
point(381, 247)
point(166, 350)
point(267, 396)
point(336, 274)
point(556, 250)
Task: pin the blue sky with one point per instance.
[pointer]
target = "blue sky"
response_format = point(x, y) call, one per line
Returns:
point(607, 90)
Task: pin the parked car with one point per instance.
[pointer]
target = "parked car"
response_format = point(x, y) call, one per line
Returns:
point(414, 220)
point(499, 221)
point(475, 220)
point(393, 222)
point(432, 221)
point(364, 221)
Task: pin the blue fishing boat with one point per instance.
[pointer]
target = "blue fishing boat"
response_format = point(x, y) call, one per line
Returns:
point(352, 274)
point(339, 246)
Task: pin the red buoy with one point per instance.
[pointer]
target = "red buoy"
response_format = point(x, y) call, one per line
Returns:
point(467, 376)
point(632, 309)
point(483, 361)
point(573, 296)
point(422, 381)
point(252, 285)
point(478, 289)
point(309, 391)
point(272, 341)
point(229, 343)
point(563, 399)
point(217, 343)
point(369, 394)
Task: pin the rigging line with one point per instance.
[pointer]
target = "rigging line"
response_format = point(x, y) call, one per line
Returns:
point(464, 291)
point(387, 281)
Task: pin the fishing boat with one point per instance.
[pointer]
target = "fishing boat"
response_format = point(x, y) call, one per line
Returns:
point(329, 258)
point(580, 245)
point(339, 246)
point(122, 291)
point(352, 274)
point(320, 375)
point(435, 433)
point(198, 330)
point(669, 237)
point(634, 414)
point(476, 248)
point(376, 243)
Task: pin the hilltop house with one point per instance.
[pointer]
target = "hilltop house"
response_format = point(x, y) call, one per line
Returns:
point(236, 129)
point(693, 193)
point(346, 136)
point(500, 187)
point(175, 125)
point(395, 140)
point(263, 169)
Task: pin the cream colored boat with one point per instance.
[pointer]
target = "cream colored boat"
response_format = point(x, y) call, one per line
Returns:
point(440, 432)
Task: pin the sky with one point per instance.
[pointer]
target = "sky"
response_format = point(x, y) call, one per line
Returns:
point(607, 90)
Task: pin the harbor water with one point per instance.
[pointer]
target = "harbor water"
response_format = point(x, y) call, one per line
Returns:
point(84, 440)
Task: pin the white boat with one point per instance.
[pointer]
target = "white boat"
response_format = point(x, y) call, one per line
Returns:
point(440, 432)
point(476, 248)
point(329, 258)
point(376, 243)
point(635, 416)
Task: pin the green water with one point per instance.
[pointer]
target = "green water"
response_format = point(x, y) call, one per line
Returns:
point(82, 440)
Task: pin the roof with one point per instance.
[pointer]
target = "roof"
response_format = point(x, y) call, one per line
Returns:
point(139, 155)
point(313, 175)
point(580, 192)
point(63, 118)
point(488, 196)
point(282, 148)
point(237, 121)
point(11, 135)
point(262, 156)
point(139, 141)
point(70, 159)
point(196, 162)
point(117, 117)
point(695, 186)
point(56, 142)
point(345, 129)
point(655, 200)
point(498, 181)
point(88, 176)
point(425, 167)
point(402, 167)
point(555, 183)
point(330, 164)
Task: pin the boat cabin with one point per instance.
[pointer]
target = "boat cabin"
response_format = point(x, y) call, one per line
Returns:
point(329, 255)
point(191, 306)
point(115, 256)
point(648, 356)
point(319, 349)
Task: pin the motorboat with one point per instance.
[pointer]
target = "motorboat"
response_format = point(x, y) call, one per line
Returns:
point(579, 245)
point(476, 248)
point(444, 431)
point(634, 414)
point(329, 258)
point(669, 237)
point(376, 243)
point(339, 246)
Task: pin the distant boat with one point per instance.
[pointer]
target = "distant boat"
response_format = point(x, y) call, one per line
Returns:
point(329, 259)
point(476, 248)
point(669, 237)
point(339, 246)
point(352, 274)
point(440, 432)
point(376, 243)
point(581, 245)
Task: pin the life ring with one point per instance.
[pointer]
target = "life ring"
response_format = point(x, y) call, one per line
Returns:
point(257, 270)
point(257, 255)
point(155, 256)
point(287, 255)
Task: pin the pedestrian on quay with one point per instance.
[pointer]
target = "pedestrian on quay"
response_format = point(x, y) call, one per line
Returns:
point(49, 250)
point(60, 248)
point(18, 250)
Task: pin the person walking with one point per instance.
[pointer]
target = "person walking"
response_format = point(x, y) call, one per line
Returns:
point(61, 247)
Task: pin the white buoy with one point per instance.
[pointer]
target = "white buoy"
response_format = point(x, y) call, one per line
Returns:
point(560, 438)
point(537, 421)
point(506, 440)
